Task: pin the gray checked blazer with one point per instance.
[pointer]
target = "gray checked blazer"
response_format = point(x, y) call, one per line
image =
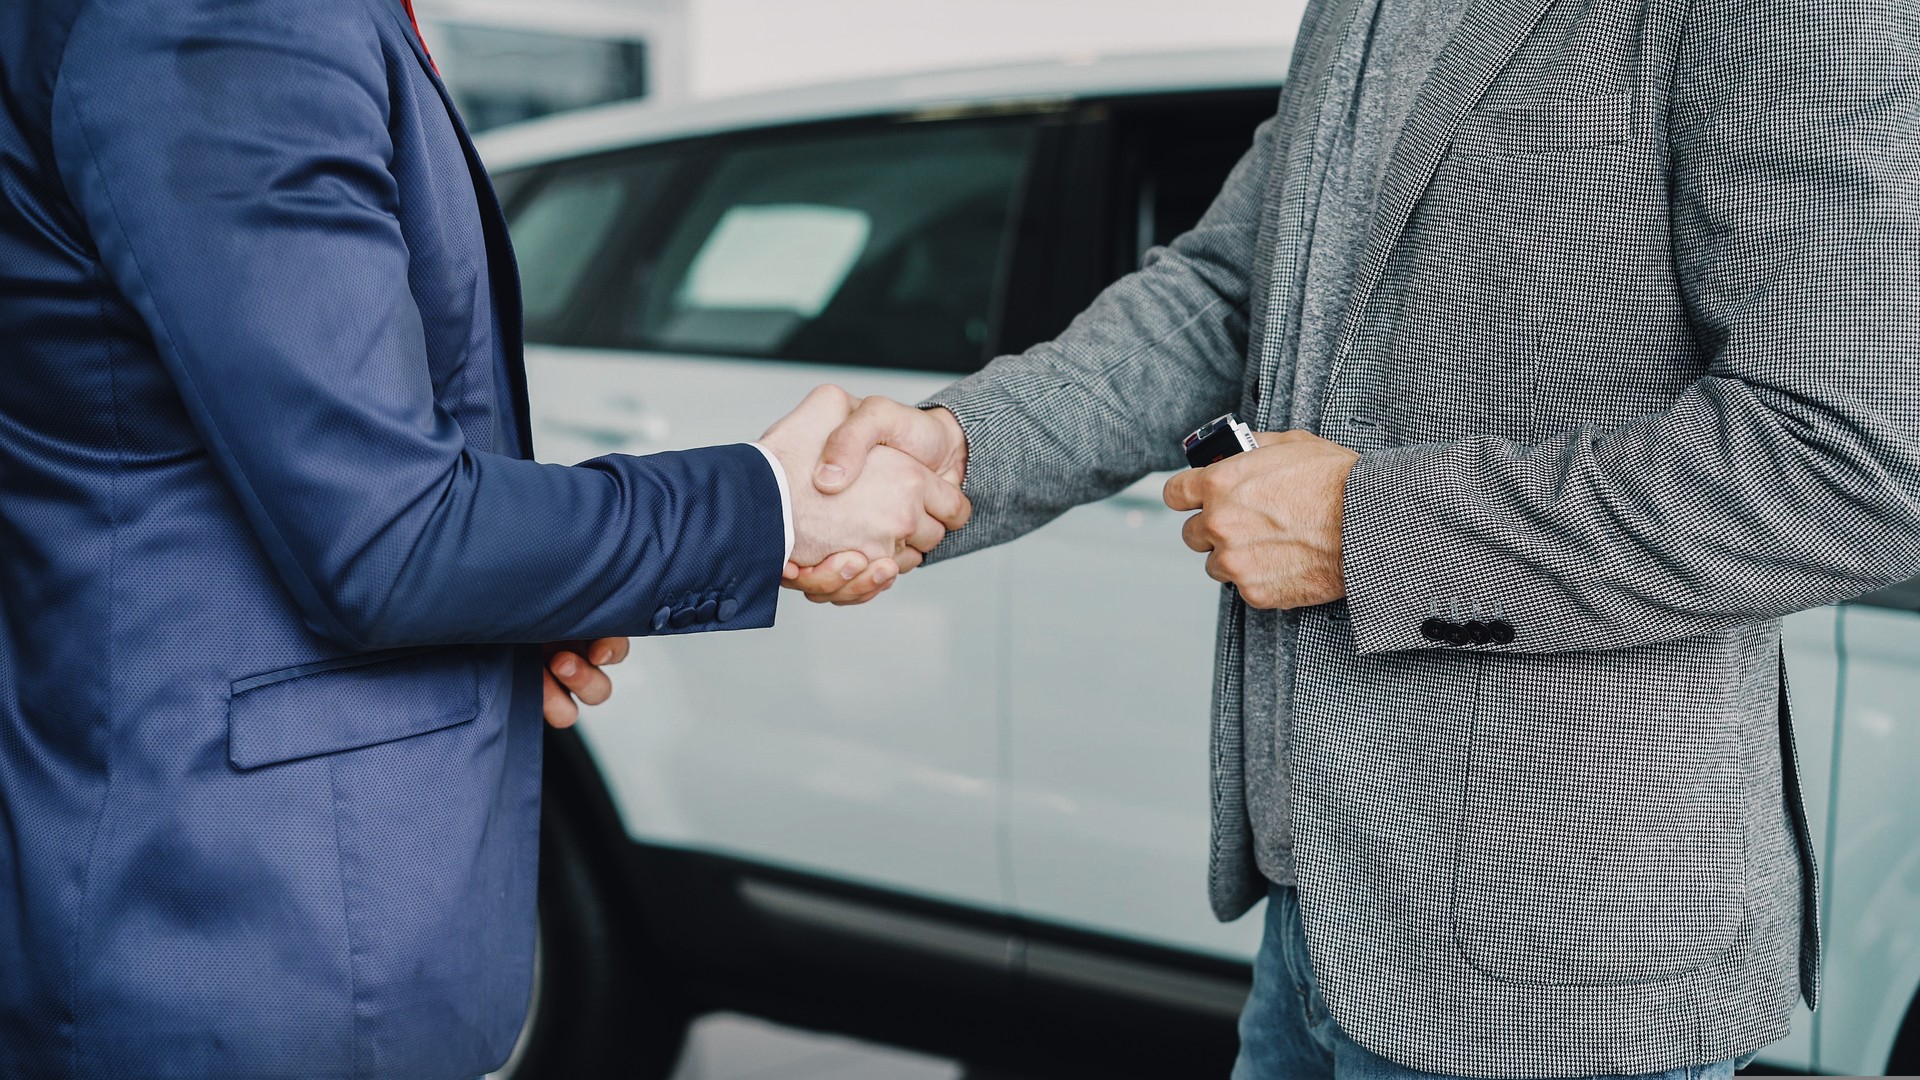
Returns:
point(1631, 364)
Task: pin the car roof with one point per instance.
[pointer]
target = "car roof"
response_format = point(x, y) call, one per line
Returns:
point(1009, 86)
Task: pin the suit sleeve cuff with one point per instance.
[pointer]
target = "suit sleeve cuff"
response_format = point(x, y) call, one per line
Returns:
point(786, 497)
point(1415, 580)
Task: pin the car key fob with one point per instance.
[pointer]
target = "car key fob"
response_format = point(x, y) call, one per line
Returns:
point(1221, 437)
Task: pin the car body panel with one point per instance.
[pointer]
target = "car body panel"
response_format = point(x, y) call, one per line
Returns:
point(1111, 638)
point(822, 746)
point(1872, 928)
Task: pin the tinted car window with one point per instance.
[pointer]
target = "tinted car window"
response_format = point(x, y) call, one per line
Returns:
point(882, 245)
point(879, 247)
point(572, 225)
point(1175, 155)
point(561, 232)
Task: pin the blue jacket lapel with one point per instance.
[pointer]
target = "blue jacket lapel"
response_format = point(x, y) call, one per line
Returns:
point(502, 269)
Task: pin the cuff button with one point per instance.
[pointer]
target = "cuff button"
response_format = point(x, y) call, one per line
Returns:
point(707, 611)
point(1435, 629)
point(684, 618)
point(728, 608)
point(1502, 632)
point(662, 619)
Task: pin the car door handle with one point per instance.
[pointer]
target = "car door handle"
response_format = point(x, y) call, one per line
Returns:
point(624, 430)
point(597, 435)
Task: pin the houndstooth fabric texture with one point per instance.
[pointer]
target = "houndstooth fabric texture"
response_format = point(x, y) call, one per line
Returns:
point(1630, 363)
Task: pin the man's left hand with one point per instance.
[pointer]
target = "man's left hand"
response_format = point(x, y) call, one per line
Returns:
point(1270, 518)
point(573, 672)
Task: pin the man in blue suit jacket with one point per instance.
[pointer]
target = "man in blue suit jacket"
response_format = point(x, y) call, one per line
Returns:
point(272, 549)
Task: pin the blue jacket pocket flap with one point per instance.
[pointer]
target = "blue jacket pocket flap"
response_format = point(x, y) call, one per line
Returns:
point(349, 703)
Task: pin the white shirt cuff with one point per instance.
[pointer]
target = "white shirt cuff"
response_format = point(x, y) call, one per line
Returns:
point(786, 498)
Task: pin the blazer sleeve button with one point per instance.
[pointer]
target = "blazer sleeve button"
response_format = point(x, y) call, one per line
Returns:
point(1458, 634)
point(684, 618)
point(1502, 631)
point(662, 619)
point(1435, 629)
point(707, 611)
point(1477, 632)
point(729, 608)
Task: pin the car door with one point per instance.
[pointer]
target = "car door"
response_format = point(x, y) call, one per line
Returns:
point(691, 294)
point(1111, 618)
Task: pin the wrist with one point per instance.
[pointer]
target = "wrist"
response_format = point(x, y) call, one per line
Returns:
point(954, 465)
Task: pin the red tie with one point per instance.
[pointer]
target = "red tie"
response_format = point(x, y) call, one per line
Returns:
point(411, 17)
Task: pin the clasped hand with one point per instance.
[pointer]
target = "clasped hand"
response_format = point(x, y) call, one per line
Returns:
point(855, 528)
point(863, 512)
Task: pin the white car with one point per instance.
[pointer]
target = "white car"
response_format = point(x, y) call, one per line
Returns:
point(972, 817)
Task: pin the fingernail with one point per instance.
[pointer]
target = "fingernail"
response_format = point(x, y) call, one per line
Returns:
point(849, 571)
point(565, 668)
point(601, 656)
point(882, 576)
point(829, 474)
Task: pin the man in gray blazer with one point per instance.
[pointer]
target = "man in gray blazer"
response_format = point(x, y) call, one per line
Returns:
point(1591, 329)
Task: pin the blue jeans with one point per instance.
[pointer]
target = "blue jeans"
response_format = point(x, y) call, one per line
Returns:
point(1286, 1032)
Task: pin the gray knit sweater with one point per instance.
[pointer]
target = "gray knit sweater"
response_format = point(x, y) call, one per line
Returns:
point(1383, 64)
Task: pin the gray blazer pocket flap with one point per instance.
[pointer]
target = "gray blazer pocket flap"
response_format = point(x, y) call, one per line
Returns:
point(348, 703)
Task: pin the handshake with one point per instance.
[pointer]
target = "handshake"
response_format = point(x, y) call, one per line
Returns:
point(875, 485)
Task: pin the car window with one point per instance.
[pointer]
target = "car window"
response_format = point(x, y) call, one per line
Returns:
point(1176, 154)
point(879, 247)
point(571, 222)
point(560, 233)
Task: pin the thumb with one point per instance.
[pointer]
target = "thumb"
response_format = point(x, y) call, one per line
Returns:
point(845, 453)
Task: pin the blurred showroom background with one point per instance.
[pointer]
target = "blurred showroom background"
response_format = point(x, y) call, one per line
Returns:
point(507, 60)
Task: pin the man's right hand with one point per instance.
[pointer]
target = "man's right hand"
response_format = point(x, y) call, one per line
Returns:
point(871, 434)
point(887, 511)
point(932, 437)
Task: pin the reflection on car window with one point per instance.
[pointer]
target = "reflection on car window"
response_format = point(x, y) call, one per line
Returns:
point(879, 248)
point(763, 271)
point(571, 225)
point(559, 234)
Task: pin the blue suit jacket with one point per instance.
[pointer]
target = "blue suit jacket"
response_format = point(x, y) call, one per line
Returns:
point(269, 535)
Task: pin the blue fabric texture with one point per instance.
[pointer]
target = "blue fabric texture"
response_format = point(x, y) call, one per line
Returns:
point(273, 552)
point(1286, 1032)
